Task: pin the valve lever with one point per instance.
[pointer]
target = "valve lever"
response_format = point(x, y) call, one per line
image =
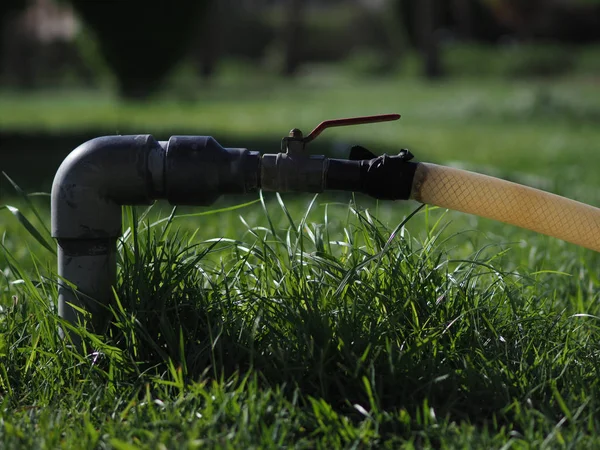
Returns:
point(295, 142)
point(347, 122)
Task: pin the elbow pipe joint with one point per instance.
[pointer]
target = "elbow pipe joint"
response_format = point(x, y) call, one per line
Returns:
point(103, 174)
point(97, 178)
point(87, 193)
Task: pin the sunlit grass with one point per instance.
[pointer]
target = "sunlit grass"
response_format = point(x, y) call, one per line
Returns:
point(315, 325)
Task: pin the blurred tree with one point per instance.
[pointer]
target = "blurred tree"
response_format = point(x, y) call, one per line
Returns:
point(425, 18)
point(567, 21)
point(208, 40)
point(39, 48)
point(469, 19)
point(518, 15)
point(292, 35)
point(7, 9)
point(394, 28)
point(141, 40)
point(462, 16)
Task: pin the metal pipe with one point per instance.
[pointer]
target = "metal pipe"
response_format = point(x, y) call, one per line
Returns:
point(103, 174)
point(87, 274)
point(88, 190)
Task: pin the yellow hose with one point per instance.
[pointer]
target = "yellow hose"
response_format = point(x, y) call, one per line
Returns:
point(508, 202)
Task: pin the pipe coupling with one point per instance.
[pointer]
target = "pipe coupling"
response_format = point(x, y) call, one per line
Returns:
point(199, 170)
point(285, 172)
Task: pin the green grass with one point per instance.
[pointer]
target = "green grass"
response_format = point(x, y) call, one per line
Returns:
point(327, 322)
point(324, 329)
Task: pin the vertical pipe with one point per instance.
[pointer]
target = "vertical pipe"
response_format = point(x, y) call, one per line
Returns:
point(88, 190)
point(87, 274)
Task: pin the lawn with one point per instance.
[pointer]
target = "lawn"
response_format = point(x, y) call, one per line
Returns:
point(328, 321)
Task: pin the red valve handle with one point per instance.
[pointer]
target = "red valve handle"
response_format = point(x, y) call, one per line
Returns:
point(350, 121)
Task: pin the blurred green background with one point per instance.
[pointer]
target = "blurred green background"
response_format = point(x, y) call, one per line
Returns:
point(507, 87)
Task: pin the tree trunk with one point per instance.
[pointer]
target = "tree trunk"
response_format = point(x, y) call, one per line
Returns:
point(210, 43)
point(292, 36)
point(462, 16)
point(428, 45)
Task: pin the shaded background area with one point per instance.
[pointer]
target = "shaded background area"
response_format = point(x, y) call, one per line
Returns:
point(490, 83)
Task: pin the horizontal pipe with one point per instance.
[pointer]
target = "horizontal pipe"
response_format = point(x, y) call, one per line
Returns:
point(198, 170)
point(103, 174)
point(344, 175)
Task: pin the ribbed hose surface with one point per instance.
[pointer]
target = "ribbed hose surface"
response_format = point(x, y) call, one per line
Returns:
point(508, 202)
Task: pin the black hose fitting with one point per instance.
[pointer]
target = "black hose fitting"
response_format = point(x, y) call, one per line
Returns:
point(344, 175)
point(383, 177)
point(388, 177)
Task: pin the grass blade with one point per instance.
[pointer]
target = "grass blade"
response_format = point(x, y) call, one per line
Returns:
point(28, 202)
point(29, 227)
